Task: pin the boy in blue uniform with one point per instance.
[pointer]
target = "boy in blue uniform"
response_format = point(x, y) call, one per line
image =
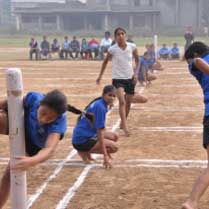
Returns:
point(164, 52)
point(93, 138)
point(197, 56)
point(152, 62)
point(175, 51)
point(145, 75)
point(45, 125)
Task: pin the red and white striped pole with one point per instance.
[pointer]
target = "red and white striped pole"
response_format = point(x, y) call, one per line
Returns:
point(17, 136)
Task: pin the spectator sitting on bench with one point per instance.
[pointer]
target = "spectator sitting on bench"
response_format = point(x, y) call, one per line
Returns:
point(85, 51)
point(55, 47)
point(65, 48)
point(94, 48)
point(45, 48)
point(105, 44)
point(175, 52)
point(33, 49)
point(164, 52)
point(74, 48)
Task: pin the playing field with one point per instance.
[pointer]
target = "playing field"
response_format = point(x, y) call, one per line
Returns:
point(153, 169)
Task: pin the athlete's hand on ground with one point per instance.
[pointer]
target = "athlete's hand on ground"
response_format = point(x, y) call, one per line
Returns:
point(107, 162)
point(22, 164)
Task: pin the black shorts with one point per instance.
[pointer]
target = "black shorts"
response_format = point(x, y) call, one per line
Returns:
point(31, 149)
point(86, 146)
point(206, 132)
point(127, 84)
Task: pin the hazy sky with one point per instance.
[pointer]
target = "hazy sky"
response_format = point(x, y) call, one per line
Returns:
point(42, 1)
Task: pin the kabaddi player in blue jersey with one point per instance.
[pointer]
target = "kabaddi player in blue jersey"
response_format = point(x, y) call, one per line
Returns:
point(153, 63)
point(92, 137)
point(45, 125)
point(197, 56)
point(145, 75)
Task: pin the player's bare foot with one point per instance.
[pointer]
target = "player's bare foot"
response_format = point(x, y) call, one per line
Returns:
point(127, 133)
point(188, 205)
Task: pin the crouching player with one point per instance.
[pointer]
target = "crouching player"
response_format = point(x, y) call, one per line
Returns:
point(92, 137)
point(145, 75)
point(45, 125)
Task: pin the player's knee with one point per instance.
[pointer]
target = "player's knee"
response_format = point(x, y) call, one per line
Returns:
point(115, 137)
point(144, 99)
point(114, 148)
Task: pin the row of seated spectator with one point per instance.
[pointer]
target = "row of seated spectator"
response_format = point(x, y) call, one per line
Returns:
point(71, 49)
point(169, 53)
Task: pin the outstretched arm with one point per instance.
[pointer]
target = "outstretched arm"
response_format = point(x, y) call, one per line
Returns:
point(104, 65)
point(100, 134)
point(44, 154)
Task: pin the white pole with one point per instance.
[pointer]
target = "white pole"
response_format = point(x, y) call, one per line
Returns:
point(156, 46)
point(17, 136)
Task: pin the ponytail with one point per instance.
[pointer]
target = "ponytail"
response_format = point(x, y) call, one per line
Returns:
point(89, 116)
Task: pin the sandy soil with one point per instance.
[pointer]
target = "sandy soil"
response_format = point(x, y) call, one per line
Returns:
point(175, 100)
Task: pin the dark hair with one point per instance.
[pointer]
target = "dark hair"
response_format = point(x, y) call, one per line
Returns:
point(197, 48)
point(55, 100)
point(58, 102)
point(117, 29)
point(107, 33)
point(106, 90)
point(146, 53)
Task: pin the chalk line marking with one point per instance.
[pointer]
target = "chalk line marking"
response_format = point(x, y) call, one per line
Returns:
point(57, 170)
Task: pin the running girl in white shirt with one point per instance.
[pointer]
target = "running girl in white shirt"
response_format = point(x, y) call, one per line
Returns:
point(123, 76)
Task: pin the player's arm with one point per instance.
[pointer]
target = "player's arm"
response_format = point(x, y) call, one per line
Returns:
point(137, 63)
point(100, 134)
point(144, 74)
point(104, 65)
point(201, 65)
point(44, 154)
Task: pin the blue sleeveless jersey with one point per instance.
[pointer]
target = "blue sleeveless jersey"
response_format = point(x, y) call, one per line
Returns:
point(203, 80)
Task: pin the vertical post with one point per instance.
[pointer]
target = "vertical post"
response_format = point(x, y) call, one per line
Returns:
point(156, 45)
point(17, 17)
point(40, 22)
point(106, 22)
point(17, 136)
point(131, 22)
point(58, 22)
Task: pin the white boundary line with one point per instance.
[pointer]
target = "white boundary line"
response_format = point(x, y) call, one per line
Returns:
point(57, 170)
point(149, 163)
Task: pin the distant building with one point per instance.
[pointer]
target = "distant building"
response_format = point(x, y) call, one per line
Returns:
point(89, 15)
point(5, 12)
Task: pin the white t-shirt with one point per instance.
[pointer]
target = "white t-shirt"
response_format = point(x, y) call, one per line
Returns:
point(106, 42)
point(122, 61)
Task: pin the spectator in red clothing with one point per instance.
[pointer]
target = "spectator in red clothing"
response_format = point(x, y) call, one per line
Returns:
point(94, 48)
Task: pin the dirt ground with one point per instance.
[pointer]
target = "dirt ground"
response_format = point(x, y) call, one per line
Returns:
point(168, 127)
